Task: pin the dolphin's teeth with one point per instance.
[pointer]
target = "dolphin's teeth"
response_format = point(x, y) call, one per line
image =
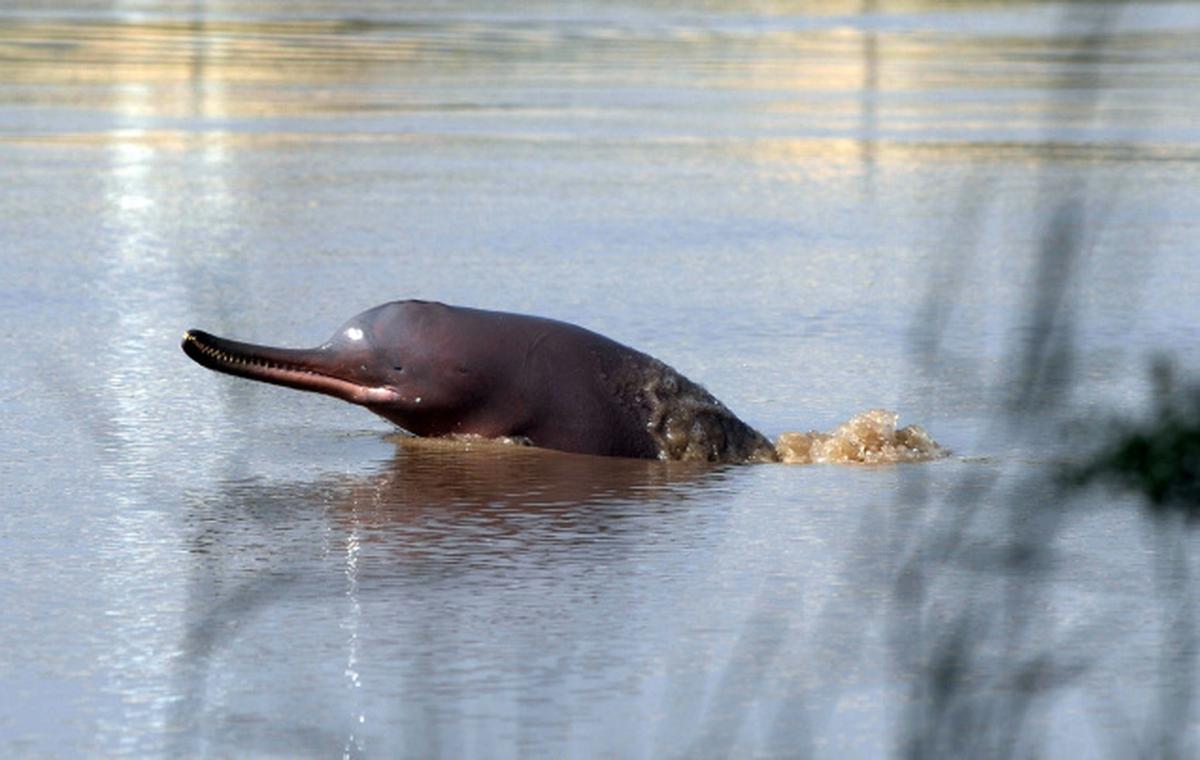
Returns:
point(240, 360)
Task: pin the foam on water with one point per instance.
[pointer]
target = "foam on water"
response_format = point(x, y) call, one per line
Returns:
point(867, 438)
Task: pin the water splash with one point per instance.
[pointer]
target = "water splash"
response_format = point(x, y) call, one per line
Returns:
point(867, 438)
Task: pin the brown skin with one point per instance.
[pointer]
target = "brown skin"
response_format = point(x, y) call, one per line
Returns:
point(439, 370)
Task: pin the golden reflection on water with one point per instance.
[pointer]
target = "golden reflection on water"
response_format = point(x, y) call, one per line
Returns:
point(188, 69)
point(157, 51)
point(840, 152)
point(817, 83)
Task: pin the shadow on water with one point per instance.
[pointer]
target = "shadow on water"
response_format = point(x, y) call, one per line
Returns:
point(437, 518)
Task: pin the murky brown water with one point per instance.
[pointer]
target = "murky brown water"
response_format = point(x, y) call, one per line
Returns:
point(812, 210)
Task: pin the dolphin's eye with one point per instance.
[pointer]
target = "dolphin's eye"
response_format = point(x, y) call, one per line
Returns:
point(398, 368)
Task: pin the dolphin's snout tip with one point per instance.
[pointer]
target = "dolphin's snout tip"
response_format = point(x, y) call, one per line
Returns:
point(192, 342)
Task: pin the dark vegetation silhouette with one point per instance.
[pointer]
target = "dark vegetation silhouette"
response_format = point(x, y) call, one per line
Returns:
point(1157, 457)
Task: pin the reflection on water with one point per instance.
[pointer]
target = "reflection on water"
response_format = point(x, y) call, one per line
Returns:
point(382, 558)
point(905, 77)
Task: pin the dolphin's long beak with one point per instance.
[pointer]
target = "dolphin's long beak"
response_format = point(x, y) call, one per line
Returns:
point(307, 369)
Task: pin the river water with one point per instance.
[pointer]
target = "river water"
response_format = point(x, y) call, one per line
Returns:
point(981, 215)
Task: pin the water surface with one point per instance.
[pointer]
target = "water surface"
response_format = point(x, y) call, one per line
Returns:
point(813, 210)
